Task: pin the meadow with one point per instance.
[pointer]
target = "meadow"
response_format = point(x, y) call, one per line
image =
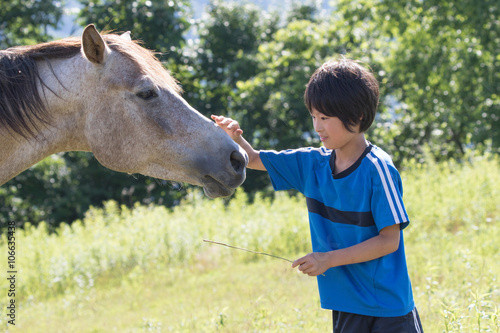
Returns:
point(148, 269)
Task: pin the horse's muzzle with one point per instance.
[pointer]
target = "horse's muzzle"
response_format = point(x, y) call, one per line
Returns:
point(222, 183)
point(239, 161)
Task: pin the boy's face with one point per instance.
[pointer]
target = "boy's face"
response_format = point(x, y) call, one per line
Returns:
point(331, 130)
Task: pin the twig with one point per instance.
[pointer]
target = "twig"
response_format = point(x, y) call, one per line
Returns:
point(242, 249)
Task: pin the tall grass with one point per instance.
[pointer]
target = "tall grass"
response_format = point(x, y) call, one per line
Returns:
point(453, 246)
point(451, 243)
point(114, 240)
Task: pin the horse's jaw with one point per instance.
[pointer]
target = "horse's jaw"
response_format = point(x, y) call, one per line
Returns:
point(217, 180)
point(214, 189)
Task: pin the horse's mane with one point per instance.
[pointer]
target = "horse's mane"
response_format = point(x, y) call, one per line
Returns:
point(21, 105)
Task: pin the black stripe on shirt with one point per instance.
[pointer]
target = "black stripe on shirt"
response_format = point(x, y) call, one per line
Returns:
point(360, 219)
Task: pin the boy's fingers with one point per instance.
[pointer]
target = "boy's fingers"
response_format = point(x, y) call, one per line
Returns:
point(306, 267)
point(298, 262)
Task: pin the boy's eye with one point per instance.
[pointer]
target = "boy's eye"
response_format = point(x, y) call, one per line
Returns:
point(320, 116)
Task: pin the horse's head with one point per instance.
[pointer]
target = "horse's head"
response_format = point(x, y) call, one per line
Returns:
point(136, 121)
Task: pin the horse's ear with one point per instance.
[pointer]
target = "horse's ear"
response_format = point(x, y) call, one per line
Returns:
point(94, 47)
point(126, 35)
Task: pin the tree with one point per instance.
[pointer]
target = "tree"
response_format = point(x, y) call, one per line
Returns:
point(159, 24)
point(229, 36)
point(437, 63)
point(62, 187)
point(442, 73)
point(24, 22)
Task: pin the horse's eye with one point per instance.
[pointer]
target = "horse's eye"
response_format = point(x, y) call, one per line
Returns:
point(147, 94)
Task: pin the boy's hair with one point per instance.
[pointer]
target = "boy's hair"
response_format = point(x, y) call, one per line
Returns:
point(346, 90)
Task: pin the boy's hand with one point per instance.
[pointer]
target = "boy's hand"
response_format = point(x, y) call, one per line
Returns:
point(313, 264)
point(386, 242)
point(230, 126)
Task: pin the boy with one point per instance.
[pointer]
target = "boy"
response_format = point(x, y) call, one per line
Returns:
point(354, 198)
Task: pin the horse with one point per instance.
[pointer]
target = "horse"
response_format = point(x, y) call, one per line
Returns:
point(107, 94)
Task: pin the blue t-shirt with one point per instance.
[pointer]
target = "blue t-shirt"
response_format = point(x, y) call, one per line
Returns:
point(346, 209)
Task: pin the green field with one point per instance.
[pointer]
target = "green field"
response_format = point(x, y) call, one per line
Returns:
point(148, 269)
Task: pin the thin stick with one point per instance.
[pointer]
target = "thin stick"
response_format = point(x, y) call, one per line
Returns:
point(242, 249)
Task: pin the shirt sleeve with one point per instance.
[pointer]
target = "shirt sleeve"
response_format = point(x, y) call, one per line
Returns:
point(387, 197)
point(287, 169)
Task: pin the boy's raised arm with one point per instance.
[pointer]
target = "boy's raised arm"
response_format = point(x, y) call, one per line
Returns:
point(232, 128)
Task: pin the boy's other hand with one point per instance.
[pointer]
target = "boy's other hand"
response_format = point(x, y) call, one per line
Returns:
point(313, 264)
point(230, 126)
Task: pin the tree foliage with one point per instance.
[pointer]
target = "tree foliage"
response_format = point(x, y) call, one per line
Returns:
point(62, 187)
point(437, 63)
point(442, 74)
point(159, 24)
point(27, 21)
point(229, 36)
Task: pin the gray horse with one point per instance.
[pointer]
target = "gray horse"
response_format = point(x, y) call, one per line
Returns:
point(108, 95)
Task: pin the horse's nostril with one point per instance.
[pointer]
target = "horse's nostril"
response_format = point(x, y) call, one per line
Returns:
point(237, 161)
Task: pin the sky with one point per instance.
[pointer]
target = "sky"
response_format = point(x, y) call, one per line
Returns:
point(69, 27)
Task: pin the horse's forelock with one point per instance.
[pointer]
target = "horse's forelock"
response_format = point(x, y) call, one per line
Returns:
point(146, 60)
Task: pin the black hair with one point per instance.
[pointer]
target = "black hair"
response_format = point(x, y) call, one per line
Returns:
point(346, 90)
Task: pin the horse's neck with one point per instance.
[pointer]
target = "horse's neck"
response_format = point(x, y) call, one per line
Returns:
point(18, 154)
point(64, 133)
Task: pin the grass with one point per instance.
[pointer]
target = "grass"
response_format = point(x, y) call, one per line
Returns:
point(147, 268)
point(259, 296)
